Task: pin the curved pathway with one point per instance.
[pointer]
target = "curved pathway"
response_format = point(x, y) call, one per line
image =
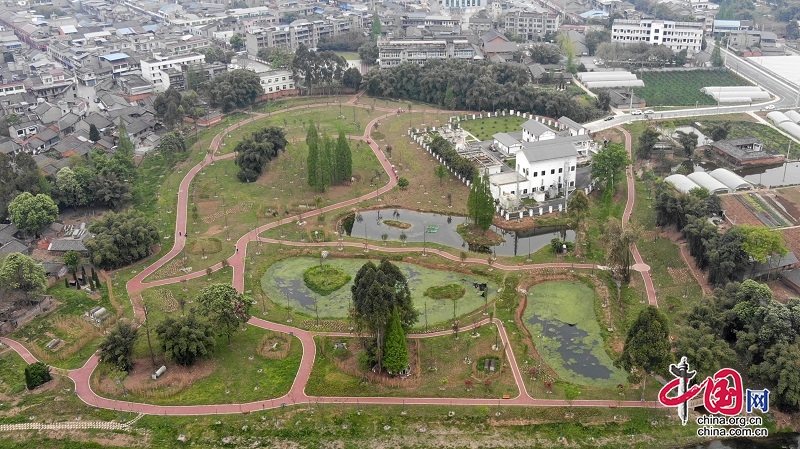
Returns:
point(81, 376)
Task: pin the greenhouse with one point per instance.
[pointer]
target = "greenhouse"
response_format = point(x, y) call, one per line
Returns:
point(731, 180)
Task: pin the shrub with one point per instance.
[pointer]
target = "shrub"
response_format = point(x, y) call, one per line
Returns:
point(325, 279)
point(402, 183)
point(37, 374)
point(449, 291)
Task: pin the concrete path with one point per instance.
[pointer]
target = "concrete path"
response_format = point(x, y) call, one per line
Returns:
point(81, 376)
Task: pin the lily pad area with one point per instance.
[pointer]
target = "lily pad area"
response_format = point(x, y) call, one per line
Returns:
point(561, 317)
point(283, 283)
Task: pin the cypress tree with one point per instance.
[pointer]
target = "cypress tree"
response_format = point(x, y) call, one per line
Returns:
point(395, 357)
point(325, 162)
point(312, 140)
point(344, 158)
point(485, 213)
point(472, 199)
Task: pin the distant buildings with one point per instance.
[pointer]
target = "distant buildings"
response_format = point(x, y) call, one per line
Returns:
point(531, 25)
point(676, 36)
point(162, 72)
point(393, 52)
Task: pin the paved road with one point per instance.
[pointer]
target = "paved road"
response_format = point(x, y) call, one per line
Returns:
point(81, 376)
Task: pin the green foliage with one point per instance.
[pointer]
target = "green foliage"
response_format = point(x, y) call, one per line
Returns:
point(31, 213)
point(37, 374)
point(172, 144)
point(545, 53)
point(449, 291)
point(716, 57)
point(608, 165)
point(185, 339)
point(441, 172)
point(403, 183)
point(235, 89)
point(121, 163)
point(368, 53)
point(461, 165)
point(647, 344)
point(255, 151)
point(349, 41)
point(318, 69)
point(618, 241)
point(325, 279)
point(477, 86)
point(377, 28)
point(237, 42)
point(120, 239)
point(480, 202)
point(578, 207)
point(94, 134)
point(647, 141)
point(72, 259)
point(761, 243)
point(20, 272)
point(69, 190)
point(117, 347)
point(278, 57)
point(395, 357)
point(224, 307)
point(352, 78)
point(688, 142)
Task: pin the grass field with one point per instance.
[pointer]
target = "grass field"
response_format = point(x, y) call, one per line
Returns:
point(438, 367)
point(562, 320)
point(283, 284)
point(744, 126)
point(238, 373)
point(485, 128)
point(682, 88)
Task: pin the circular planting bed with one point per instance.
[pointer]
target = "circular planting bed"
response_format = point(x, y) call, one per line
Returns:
point(449, 291)
point(204, 245)
point(325, 279)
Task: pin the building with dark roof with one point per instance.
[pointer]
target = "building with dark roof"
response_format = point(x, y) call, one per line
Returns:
point(746, 152)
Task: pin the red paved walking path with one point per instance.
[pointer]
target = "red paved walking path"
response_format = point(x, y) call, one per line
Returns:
point(81, 376)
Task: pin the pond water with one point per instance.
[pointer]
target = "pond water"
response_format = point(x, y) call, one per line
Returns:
point(565, 330)
point(283, 284)
point(371, 226)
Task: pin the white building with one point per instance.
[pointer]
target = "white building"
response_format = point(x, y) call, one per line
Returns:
point(271, 80)
point(393, 52)
point(676, 36)
point(156, 70)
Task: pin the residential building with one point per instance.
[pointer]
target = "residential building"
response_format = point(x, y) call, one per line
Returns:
point(754, 43)
point(676, 36)
point(300, 31)
point(531, 25)
point(272, 81)
point(463, 6)
point(156, 70)
point(393, 52)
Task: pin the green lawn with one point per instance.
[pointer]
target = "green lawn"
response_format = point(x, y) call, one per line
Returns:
point(561, 317)
point(238, 369)
point(438, 365)
point(68, 323)
point(283, 283)
point(485, 128)
point(350, 56)
point(682, 88)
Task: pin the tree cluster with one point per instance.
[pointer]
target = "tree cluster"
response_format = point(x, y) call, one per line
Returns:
point(608, 166)
point(638, 54)
point(20, 272)
point(726, 256)
point(545, 53)
point(172, 145)
point(117, 347)
point(171, 107)
point(216, 54)
point(480, 202)
point(235, 89)
point(19, 174)
point(329, 162)
point(379, 292)
point(255, 151)
point(224, 307)
point(120, 239)
point(278, 57)
point(474, 85)
point(37, 374)
point(319, 69)
point(31, 213)
point(350, 41)
point(647, 346)
point(745, 324)
point(185, 339)
point(450, 157)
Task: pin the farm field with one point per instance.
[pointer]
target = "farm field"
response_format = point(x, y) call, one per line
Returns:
point(682, 88)
point(744, 126)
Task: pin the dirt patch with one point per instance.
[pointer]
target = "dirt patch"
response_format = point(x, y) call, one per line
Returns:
point(737, 213)
point(103, 438)
point(214, 230)
point(792, 239)
point(208, 207)
point(678, 275)
point(139, 381)
point(781, 292)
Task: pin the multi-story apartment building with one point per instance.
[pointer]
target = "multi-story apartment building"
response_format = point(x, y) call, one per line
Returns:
point(157, 70)
point(298, 32)
point(676, 36)
point(531, 25)
point(393, 52)
point(460, 6)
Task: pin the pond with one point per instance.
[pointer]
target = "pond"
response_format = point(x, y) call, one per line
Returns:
point(517, 243)
point(562, 320)
point(283, 284)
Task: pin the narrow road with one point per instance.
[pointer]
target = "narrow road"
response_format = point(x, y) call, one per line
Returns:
point(81, 376)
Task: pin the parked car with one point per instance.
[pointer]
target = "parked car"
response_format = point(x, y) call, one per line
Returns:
point(636, 112)
point(769, 107)
point(609, 118)
point(649, 111)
